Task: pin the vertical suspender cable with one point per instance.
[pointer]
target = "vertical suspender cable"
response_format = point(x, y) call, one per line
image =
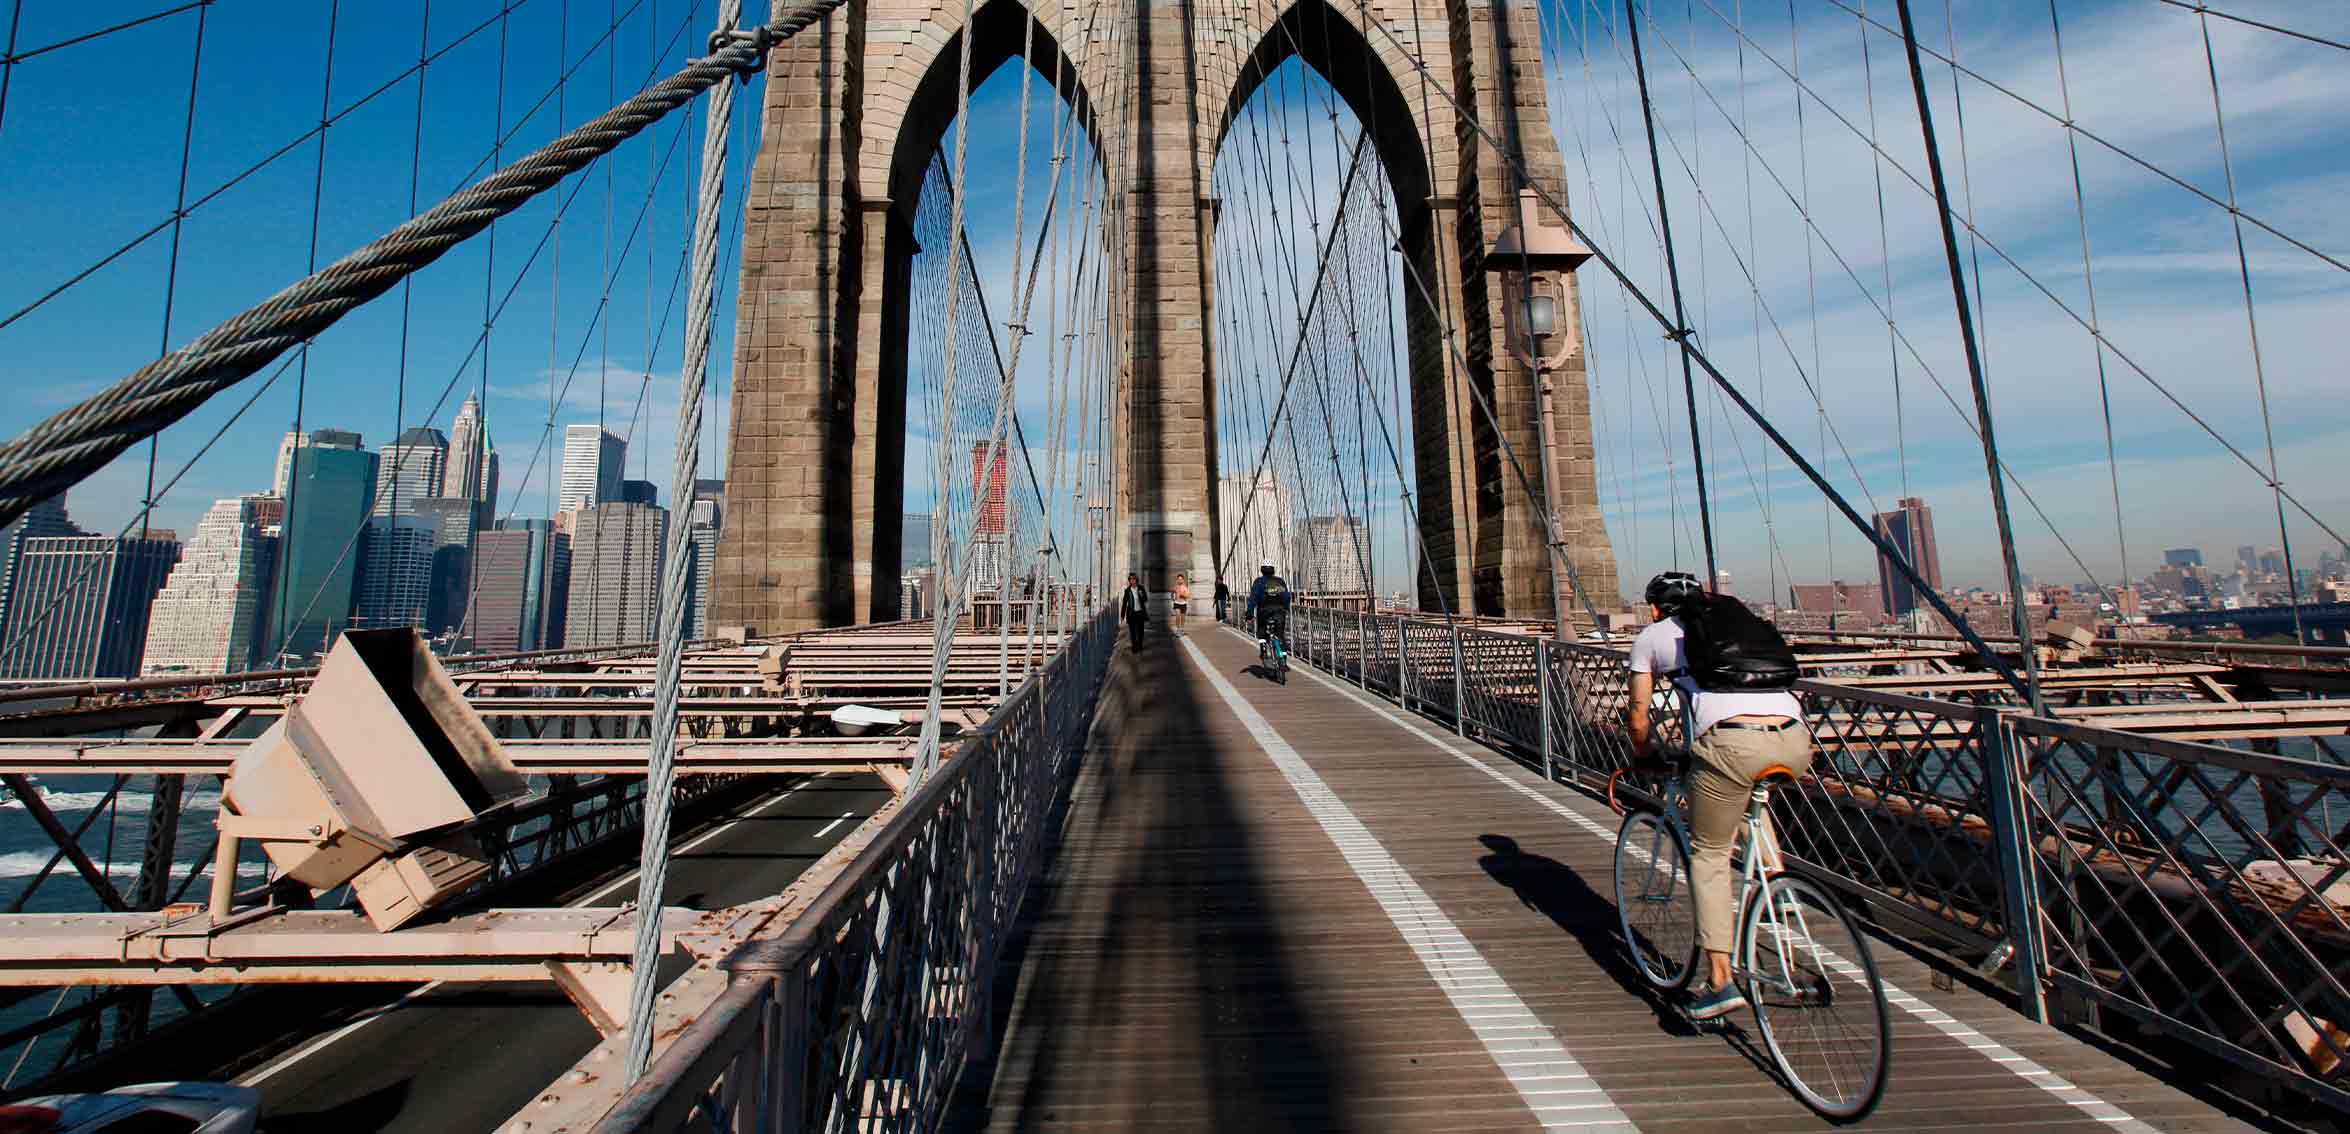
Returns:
point(947, 609)
point(1974, 364)
point(661, 762)
point(1681, 330)
point(2268, 431)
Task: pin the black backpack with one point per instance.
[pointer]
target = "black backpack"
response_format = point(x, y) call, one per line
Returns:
point(1727, 648)
point(1276, 592)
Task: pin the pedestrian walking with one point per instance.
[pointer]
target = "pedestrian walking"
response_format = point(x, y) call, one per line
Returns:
point(1135, 604)
point(1223, 602)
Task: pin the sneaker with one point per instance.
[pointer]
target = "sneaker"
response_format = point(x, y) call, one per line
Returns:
point(1712, 1003)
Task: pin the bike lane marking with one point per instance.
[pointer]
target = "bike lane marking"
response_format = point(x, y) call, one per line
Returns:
point(1547, 1077)
point(2022, 1066)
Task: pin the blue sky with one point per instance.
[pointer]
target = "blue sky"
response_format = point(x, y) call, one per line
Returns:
point(90, 154)
point(2168, 291)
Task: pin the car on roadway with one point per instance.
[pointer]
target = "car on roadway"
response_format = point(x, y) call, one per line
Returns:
point(148, 1108)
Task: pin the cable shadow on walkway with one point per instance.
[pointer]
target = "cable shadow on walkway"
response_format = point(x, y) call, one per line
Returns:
point(1151, 978)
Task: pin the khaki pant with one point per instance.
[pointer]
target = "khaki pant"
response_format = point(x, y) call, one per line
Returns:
point(1721, 781)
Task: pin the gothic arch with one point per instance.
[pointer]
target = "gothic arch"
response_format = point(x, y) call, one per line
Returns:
point(1370, 77)
point(914, 83)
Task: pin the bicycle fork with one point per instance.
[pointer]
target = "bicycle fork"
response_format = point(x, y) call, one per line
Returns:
point(1786, 922)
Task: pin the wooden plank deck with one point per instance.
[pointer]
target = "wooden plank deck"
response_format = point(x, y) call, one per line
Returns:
point(1209, 950)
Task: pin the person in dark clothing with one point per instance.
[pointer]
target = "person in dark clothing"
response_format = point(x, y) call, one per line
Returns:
point(1268, 605)
point(1223, 601)
point(1135, 605)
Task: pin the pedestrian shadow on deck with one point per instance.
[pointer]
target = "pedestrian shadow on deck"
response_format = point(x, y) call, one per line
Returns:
point(1151, 976)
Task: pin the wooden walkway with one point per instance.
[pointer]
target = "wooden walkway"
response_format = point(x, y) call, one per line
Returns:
point(1334, 916)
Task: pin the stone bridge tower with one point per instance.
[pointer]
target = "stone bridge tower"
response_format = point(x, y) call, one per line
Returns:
point(855, 106)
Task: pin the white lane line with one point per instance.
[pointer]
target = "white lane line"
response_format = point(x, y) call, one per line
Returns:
point(2023, 1068)
point(845, 816)
point(1529, 1055)
point(328, 1040)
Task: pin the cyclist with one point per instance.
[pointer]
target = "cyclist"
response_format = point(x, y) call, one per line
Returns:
point(1734, 736)
point(1268, 606)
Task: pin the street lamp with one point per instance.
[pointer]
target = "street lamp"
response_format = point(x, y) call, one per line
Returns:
point(1531, 261)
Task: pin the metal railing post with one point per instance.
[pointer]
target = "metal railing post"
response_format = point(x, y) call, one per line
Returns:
point(1542, 703)
point(1403, 663)
point(1363, 649)
point(1460, 689)
point(2011, 835)
point(787, 1106)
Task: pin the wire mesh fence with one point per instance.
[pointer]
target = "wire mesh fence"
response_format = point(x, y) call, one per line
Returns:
point(864, 1012)
point(2191, 897)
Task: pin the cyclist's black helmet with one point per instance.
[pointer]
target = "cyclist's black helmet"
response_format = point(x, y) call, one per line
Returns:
point(1668, 591)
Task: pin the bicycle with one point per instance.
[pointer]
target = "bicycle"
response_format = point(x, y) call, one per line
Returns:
point(1800, 955)
point(1273, 654)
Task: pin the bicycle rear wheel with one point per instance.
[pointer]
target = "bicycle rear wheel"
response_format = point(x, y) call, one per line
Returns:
point(1654, 899)
point(1818, 997)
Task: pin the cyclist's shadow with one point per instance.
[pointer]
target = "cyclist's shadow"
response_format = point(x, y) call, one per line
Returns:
point(1559, 893)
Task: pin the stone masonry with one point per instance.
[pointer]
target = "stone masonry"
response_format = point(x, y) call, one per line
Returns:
point(856, 104)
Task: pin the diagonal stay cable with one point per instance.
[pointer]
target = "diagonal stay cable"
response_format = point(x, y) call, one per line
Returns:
point(2039, 285)
point(1900, 335)
point(79, 440)
point(1313, 298)
point(264, 162)
point(1795, 456)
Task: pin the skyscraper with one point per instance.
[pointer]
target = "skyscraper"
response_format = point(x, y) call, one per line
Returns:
point(411, 469)
point(211, 615)
point(1263, 536)
point(395, 570)
point(283, 474)
point(2183, 557)
point(46, 518)
point(639, 492)
point(332, 491)
point(82, 604)
point(991, 536)
point(414, 566)
point(1334, 556)
point(592, 457)
point(472, 472)
point(707, 514)
point(515, 585)
point(914, 535)
point(990, 487)
point(1909, 528)
point(616, 556)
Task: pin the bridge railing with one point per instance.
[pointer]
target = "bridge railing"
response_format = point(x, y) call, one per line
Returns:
point(2182, 895)
point(863, 1013)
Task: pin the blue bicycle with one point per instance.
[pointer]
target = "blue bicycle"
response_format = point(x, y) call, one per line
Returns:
point(1273, 654)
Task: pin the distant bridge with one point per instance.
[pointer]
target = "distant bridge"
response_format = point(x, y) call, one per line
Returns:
point(2320, 624)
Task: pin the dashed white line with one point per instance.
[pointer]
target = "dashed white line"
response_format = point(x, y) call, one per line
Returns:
point(845, 816)
point(2023, 1067)
point(1529, 1055)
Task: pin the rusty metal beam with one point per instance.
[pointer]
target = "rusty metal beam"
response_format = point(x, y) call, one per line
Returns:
point(311, 947)
point(807, 755)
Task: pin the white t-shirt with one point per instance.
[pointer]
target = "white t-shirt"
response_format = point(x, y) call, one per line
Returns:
point(1659, 649)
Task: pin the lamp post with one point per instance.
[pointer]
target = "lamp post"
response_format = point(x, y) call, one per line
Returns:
point(1531, 260)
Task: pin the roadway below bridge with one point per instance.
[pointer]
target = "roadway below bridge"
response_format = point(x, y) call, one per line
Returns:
point(451, 1057)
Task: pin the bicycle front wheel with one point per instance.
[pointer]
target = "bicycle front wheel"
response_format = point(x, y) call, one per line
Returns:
point(1817, 996)
point(1654, 899)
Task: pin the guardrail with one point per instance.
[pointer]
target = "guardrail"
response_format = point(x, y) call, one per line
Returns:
point(2174, 894)
point(865, 1010)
